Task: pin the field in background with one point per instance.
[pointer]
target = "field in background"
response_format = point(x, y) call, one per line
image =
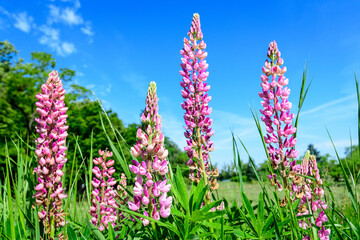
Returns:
point(231, 191)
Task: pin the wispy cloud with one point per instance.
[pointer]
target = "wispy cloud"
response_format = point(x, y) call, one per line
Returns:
point(66, 15)
point(328, 104)
point(50, 32)
point(23, 21)
point(51, 38)
point(87, 29)
point(100, 90)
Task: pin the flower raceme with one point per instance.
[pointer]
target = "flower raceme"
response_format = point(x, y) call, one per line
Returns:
point(151, 188)
point(50, 151)
point(312, 196)
point(276, 110)
point(276, 114)
point(104, 206)
point(281, 145)
point(198, 129)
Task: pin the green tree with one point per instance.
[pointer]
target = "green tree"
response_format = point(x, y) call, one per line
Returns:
point(314, 151)
point(19, 83)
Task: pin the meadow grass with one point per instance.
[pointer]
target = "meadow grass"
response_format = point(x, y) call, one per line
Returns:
point(231, 191)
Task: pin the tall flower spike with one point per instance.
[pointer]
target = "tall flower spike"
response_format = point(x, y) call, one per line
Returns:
point(104, 206)
point(196, 105)
point(151, 188)
point(50, 152)
point(281, 145)
point(276, 114)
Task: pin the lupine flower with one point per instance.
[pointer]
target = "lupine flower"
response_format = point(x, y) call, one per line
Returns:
point(104, 206)
point(324, 234)
point(281, 143)
point(50, 151)
point(151, 187)
point(312, 196)
point(198, 129)
point(122, 194)
point(276, 112)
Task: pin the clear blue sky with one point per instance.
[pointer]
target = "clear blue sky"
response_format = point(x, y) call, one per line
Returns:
point(118, 47)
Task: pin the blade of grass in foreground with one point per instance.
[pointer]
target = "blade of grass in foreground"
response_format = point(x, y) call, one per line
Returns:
point(303, 93)
point(121, 160)
point(237, 163)
point(349, 188)
point(9, 198)
point(358, 98)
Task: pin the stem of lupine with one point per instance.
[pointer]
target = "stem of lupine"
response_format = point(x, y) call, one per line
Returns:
point(201, 159)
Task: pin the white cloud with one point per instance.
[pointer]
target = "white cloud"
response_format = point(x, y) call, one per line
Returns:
point(51, 38)
point(3, 11)
point(328, 104)
point(67, 15)
point(90, 86)
point(67, 48)
point(79, 74)
point(49, 34)
point(87, 29)
point(23, 21)
point(108, 88)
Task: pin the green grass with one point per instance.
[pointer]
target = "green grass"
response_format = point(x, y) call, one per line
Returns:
point(231, 191)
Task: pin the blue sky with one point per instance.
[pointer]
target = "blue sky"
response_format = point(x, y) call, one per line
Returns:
point(118, 47)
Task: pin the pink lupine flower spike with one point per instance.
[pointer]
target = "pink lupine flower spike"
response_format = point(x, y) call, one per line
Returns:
point(151, 187)
point(198, 123)
point(50, 152)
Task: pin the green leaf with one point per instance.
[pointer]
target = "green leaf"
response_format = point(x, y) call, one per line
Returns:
point(97, 233)
point(242, 234)
point(71, 233)
point(348, 186)
point(111, 235)
point(198, 215)
point(261, 213)
point(87, 232)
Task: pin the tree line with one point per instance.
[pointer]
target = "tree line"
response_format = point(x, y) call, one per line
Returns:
point(20, 81)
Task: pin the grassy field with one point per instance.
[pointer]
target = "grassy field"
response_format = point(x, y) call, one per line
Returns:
point(231, 191)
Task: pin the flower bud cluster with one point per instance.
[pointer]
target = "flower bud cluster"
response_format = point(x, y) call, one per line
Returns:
point(151, 188)
point(312, 196)
point(122, 193)
point(198, 129)
point(104, 206)
point(50, 151)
